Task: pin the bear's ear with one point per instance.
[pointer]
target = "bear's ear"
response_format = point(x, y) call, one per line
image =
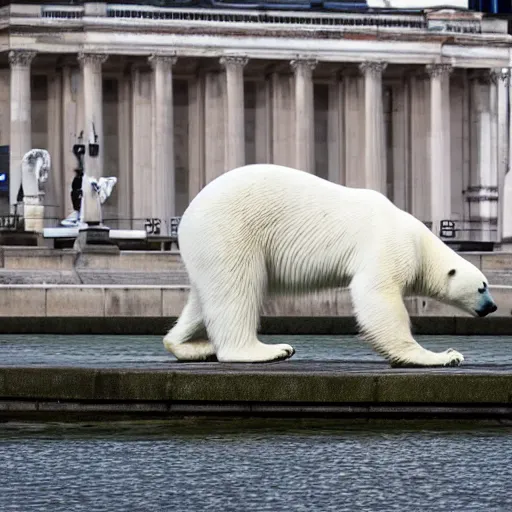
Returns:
point(451, 272)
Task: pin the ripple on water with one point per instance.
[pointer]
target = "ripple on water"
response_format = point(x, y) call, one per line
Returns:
point(251, 469)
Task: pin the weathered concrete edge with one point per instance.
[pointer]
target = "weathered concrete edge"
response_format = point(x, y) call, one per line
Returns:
point(46, 392)
point(275, 325)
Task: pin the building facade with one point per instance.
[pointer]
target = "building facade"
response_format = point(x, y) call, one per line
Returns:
point(415, 106)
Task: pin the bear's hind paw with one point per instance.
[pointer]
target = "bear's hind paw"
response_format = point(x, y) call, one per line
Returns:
point(454, 358)
point(261, 353)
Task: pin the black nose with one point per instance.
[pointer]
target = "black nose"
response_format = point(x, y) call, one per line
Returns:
point(489, 308)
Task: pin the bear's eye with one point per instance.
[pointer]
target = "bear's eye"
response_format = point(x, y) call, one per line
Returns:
point(452, 272)
point(482, 290)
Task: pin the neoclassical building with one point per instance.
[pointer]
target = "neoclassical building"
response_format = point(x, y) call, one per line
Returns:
point(416, 106)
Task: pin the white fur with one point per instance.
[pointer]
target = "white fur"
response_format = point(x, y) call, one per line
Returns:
point(268, 228)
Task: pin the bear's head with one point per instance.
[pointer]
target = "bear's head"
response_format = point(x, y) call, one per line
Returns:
point(467, 288)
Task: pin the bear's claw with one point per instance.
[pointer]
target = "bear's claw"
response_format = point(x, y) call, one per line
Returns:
point(455, 358)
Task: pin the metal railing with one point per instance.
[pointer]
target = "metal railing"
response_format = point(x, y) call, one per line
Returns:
point(468, 231)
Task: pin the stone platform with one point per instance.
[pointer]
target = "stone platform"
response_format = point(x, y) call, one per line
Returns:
point(140, 309)
point(62, 291)
point(290, 388)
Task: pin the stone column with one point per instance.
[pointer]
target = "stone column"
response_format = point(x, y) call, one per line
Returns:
point(5, 114)
point(401, 144)
point(374, 147)
point(506, 197)
point(215, 122)
point(283, 127)
point(164, 190)
point(21, 124)
point(336, 130)
point(440, 150)
point(55, 200)
point(304, 114)
point(482, 193)
point(91, 64)
point(196, 135)
point(419, 190)
point(71, 126)
point(263, 122)
point(503, 162)
point(141, 143)
point(353, 106)
point(235, 144)
point(124, 120)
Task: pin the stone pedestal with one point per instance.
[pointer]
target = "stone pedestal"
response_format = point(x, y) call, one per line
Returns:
point(164, 190)
point(374, 146)
point(440, 150)
point(235, 143)
point(21, 124)
point(95, 239)
point(304, 114)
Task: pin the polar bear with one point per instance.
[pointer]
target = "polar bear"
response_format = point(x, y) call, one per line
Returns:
point(265, 228)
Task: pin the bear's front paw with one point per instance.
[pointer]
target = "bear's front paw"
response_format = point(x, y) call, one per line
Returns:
point(282, 352)
point(453, 358)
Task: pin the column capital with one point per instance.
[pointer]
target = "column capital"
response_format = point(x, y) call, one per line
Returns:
point(303, 64)
point(21, 58)
point(487, 76)
point(495, 75)
point(438, 70)
point(92, 58)
point(373, 67)
point(233, 61)
point(168, 59)
point(300, 64)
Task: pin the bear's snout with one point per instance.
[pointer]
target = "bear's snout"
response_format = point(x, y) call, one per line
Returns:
point(487, 309)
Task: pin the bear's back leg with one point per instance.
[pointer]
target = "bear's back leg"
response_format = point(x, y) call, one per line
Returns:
point(231, 302)
point(186, 340)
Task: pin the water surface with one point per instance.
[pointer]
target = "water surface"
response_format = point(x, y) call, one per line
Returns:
point(140, 351)
point(239, 466)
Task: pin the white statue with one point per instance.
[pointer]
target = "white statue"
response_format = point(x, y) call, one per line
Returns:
point(94, 193)
point(35, 166)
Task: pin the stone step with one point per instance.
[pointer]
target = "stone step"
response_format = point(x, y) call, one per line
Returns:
point(124, 276)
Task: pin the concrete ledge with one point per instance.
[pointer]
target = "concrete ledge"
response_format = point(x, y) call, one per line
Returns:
point(318, 325)
point(283, 389)
point(152, 309)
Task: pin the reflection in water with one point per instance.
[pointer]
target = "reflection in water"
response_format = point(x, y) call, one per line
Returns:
point(254, 466)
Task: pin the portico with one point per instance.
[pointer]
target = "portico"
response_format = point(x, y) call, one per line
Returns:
point(417, 119)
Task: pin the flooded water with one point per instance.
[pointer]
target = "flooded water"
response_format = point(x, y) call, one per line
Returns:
point(140, 351)
point(243, 466)
point(249, 465)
